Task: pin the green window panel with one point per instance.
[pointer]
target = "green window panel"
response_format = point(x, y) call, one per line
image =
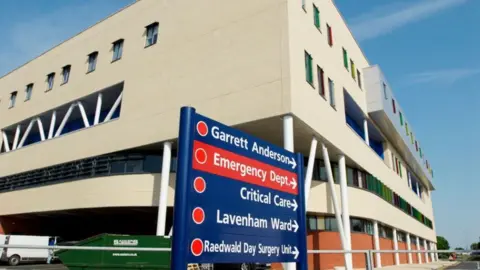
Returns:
point(316, 16)
point(406, 129)
point(401, 118)
point(308, 68)
point(345, 58)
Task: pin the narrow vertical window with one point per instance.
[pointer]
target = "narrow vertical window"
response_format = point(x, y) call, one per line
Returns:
point(400, 168)
point(117, 50)
point(359, 77)
point(411, 137)
point(50, 80)
point(65, 74)
point(92, 61)
point(321, 81)
point(331, 89)
point(401, 118)
point(316, 16)
point(345, 58)
point(352, 69)
point(416, 146)
point(385, 91)
point(420, 150)
point(393, 163)
point(308, 68)
point(330, 35)
point(13, 99)
point(406, 128)
point(28, 91)
point(396, 164)
point(393, 106)
point(151, 34)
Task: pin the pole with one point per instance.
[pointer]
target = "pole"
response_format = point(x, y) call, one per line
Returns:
point(376, 239)
point(345, 211)
point(163, 199)
point(288, 138)
point(331, 185)
point(309, 174)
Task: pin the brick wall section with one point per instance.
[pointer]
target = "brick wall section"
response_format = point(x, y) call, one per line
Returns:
point(387, 258)
point(414, 254)
point(403, 256)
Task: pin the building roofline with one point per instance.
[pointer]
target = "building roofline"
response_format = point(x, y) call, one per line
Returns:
point(72, 37)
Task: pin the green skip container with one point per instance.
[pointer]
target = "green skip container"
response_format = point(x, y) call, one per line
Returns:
point(118, 260)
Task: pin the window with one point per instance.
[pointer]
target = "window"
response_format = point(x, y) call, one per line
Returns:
point(331, 90)
point(50, 80)
point(13, 99)
point(350, 176)
point(28, 91)
point(345, 58)
point(406, 128)
point(331, 224)
point(393, 163)
point(316, 16)
point(393, 106)
point(420, 150)
point(117, 50)
point(308, 68)
point(92, 61)
point(401, 118)
point(385, 91)
point(352, 69)
point(330, 35)
point(416, 146)
point(66, 73)
point(312, 223)
point(411, 137)
point(359, 77)
point(400, 168)
point(152, 34)
point(401, 236)
point(321, 81)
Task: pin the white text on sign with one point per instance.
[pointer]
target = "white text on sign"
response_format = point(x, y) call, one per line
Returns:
point(256, 148)
point(255, 195)
point(251, 249)
point(254, 222)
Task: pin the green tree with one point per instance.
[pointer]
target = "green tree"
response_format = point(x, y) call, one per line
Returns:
point(474, 246)
point(442, 243)
point(459, 248)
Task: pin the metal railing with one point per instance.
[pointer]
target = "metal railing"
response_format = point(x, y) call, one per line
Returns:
point(369, 254)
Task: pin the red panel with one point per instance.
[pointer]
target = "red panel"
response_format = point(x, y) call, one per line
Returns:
point(387, 258)
point(403, 256)
point(414, 254)
point(243, 169)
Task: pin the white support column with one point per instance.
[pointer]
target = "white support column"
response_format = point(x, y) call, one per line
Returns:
point(309, 174)
point(83, 113)
point(5, 141)
point(427, 259)
point(409, 247)
point(395, 246)
point(15, 139)
point(419, 255)
point(288, 145)
point(40, 129)
point(345, 211)
point(376, 241)
point(98, 109)
point(432, 254)
point(162, 201)
point(436, 253)
point(114, 107)
point(52, 124)
point(65, 119)
point(365, 131)
point(331, 186)
point(26, 133)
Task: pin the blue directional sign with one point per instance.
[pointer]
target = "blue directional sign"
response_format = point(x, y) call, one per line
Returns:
point(238, 199)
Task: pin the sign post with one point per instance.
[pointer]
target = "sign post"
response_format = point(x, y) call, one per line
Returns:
point(238, 199)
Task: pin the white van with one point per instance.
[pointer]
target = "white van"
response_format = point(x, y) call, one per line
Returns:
point(16, 255)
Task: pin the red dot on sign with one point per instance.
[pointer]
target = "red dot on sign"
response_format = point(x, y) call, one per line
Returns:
point(198, 215)
point(196, 247)
point(201, 155)
point(199, 184)
point(202, 128)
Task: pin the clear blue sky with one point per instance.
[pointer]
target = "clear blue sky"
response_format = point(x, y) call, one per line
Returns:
point(426, 48)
